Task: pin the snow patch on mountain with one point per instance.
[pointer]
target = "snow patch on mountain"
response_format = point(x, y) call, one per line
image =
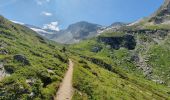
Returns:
point(41, 31)
point(17, 22)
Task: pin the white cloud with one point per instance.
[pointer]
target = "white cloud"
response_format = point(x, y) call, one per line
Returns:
point(41, 2)
point(52, 26)
point(46, 13)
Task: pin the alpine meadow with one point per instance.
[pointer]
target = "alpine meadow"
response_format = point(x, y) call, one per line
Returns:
point(85, 61)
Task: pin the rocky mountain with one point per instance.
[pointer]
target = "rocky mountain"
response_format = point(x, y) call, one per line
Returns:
point(162, 15)
point(76, 32)
point(113, 27)
point(73, 34)
point(43, 32)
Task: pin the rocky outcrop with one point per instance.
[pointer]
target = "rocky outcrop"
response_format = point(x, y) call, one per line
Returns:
point(146, 31)
point(126, 41)
point(141, 63)
point(96, 49)
point(162, 14)
point(3, 73)
point(3, 45)
point(22, 59)
point(3, 52)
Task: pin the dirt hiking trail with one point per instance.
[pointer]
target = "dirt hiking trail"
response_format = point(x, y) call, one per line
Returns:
point(65, 91)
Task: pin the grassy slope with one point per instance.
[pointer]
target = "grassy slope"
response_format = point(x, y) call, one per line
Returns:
point(157, 54)
point(95, 83)
point(159, 60)
point(46, 68)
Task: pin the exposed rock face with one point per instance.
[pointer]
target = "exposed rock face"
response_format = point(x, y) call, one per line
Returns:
point(144, 31)
point(3, 45)
point(76, 32)
point(73, 34)
point(30, 81)
point(135, 58)
point(163, 14)
point(126, 41)
point(3, 52)
point(22, 59)
point(83, 29)
point(1, 70)
point(146, 68)
point(3, 73)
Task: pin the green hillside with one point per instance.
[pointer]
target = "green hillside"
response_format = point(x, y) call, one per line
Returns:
point(33, 66)
point(121, 65)
point(119, 62)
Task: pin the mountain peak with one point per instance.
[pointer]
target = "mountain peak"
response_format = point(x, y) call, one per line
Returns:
point(83, 24)
point(162, 15)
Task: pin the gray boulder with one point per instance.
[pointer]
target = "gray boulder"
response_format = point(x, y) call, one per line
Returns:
point(3, 52)
point(22, 59)
point(96, 49)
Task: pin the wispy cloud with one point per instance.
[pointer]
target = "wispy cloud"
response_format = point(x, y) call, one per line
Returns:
point(52, 26)
point(41, 2)
point(46, 13)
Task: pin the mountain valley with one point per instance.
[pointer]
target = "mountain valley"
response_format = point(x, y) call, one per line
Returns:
point(118, 62)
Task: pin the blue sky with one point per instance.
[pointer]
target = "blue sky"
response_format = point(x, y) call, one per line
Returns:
point(61, 13)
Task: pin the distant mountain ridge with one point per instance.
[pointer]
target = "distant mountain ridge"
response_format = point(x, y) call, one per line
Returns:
point(43, 32)
point(84, 30)
point(76, 32)
point(120, 61)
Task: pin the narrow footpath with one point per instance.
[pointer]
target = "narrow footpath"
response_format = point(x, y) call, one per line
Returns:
point(65, 91)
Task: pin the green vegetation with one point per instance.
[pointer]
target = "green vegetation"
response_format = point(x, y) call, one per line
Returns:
point(35, 65)
point(110, 74)
point(159, 60)
point(139, 74)
point(95, 83)
point(109, 34)
point(153, 27)
point(112, 66)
